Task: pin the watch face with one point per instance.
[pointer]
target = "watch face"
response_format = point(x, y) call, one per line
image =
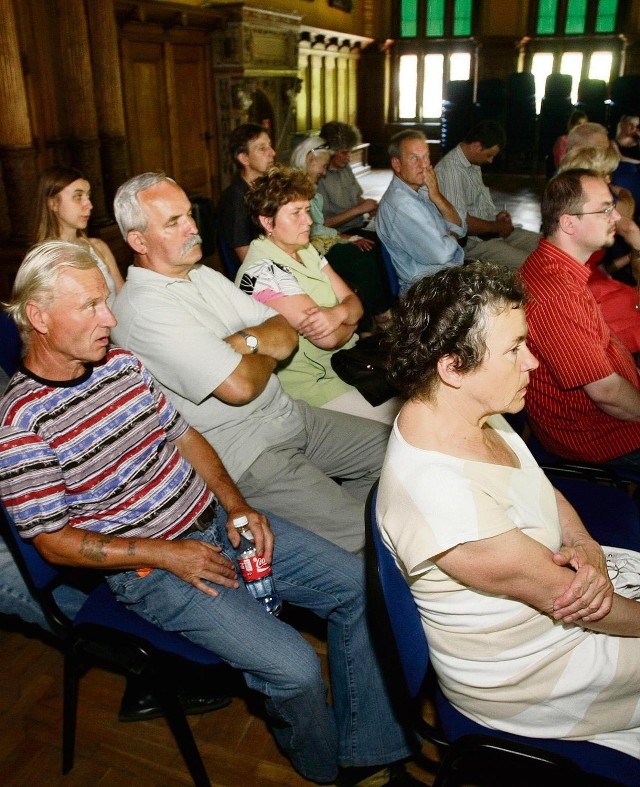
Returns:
point(251, 342)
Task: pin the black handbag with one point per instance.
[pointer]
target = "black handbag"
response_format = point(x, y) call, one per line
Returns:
point(365, 367)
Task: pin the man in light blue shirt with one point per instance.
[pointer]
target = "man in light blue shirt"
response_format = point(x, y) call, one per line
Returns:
point(417, 224)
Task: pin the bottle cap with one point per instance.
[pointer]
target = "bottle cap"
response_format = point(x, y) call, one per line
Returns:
point(241, 521)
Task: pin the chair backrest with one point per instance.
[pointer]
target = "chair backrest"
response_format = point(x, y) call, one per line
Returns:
point(10, 344)
point(392, 276)
point(230, 262)
point(40, 576)
point(393, 604)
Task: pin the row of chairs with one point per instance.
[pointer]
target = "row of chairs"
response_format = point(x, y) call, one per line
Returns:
point(105, 632)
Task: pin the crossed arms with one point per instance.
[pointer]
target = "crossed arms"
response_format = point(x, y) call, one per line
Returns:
point(571, 585)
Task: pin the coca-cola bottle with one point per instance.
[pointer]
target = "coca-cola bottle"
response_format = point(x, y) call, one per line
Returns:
point(255, 570)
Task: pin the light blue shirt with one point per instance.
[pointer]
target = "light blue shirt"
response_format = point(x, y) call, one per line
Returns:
point(416, 234)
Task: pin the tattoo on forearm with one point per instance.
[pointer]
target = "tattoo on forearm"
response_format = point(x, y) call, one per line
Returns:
point(93, 547)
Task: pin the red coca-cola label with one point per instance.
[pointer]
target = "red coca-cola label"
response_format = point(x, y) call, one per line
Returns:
point(254, 567)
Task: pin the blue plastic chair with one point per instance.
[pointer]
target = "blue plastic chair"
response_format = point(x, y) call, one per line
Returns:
point(230, 262)
point(470, 751)
point(9, 344)
point(392, 276)
point(106, 632)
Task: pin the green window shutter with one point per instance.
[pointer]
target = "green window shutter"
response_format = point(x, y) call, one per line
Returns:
point(409, 18)
point(576, 17)
point(462, 18)
point(606, 17)
point(547, 13)
point(435, 19)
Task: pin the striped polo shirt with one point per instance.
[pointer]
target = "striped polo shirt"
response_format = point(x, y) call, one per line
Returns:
point(96, 453)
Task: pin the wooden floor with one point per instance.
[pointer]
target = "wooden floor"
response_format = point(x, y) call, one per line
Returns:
point(236, 746)
point(520, 193)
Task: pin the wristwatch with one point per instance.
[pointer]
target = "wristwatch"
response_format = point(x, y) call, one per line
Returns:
point(250, 340)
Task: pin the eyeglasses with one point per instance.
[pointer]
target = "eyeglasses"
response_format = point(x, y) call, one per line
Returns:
point(605, 211)
point(320, 147)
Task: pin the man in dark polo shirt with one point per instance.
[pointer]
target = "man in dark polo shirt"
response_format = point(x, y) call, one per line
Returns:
point(251, 150)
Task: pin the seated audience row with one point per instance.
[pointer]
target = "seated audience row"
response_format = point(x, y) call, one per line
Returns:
point(432, 218)
point(357, 262)
point(161, 523)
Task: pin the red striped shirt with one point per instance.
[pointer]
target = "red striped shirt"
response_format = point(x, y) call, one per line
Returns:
point(568, 335)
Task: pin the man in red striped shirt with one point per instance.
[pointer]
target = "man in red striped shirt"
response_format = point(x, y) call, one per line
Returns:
point(584, 399)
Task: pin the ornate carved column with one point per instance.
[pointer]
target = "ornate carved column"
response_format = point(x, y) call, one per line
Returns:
point(109, 101)
point(17, 155)
point(81, 116)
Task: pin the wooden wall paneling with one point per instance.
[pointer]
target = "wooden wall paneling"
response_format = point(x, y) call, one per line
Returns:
point(17, 155)
point(146, 108)
point(192, 131)
point(107, 80)
point(79, 97)
point(36, 33)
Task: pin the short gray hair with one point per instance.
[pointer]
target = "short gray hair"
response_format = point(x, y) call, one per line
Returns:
point(37, 276)
point(126, 206)
point(395, 143)
point(308, 145)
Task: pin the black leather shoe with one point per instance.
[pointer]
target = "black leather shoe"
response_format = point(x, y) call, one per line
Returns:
point(140, 705)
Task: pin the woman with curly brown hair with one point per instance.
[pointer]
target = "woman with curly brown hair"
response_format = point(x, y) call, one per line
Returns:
point(525, 631)
point(283, 270)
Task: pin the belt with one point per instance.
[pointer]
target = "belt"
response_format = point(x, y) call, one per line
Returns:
point(200, 524)
point(202, 521)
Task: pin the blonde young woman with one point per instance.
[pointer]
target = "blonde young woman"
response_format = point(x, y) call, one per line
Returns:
point(62, 211)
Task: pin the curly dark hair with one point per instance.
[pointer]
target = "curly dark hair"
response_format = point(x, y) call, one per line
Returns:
point(445, 314)
point(277, 187)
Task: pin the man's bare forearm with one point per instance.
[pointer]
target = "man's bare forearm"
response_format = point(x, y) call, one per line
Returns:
point(615, 396)
point(71, 546)
point(205, 460)
point(276, 339)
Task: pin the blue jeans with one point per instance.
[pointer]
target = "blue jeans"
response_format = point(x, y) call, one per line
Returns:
point(360, 728)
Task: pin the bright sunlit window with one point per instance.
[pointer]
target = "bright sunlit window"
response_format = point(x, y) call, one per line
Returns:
point(460, 65)
point(433, 79)
point(541, 67)
point(600, 65)
point(408, 84)
point(571, 63)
